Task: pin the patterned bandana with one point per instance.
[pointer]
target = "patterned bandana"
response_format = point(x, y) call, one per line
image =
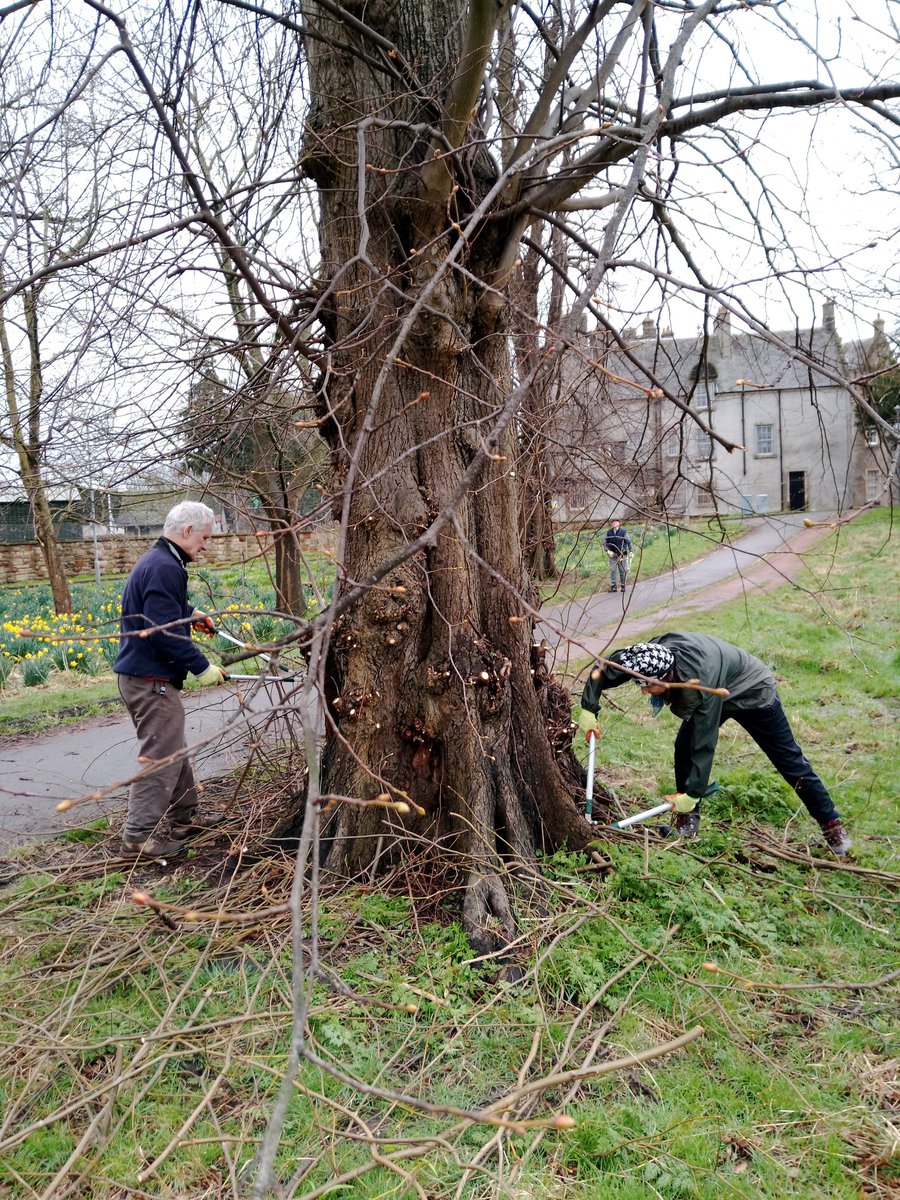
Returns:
point(647, 658)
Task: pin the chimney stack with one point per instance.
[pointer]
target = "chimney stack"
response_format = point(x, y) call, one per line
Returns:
point(648, 328)
point(828, 316)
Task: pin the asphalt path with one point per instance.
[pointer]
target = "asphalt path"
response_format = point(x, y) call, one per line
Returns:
point(766, 556)
point(91, 763)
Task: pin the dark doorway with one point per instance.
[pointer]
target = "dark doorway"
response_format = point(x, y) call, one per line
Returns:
point(796, 490)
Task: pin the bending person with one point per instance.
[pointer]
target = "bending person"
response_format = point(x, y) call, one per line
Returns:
point(752, 701)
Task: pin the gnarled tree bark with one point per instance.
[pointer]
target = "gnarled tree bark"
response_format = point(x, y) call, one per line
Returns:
point(437, 694)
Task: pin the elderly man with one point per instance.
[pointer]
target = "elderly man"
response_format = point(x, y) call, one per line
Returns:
point(618, 546)
point(152, 667)
point(752, 701)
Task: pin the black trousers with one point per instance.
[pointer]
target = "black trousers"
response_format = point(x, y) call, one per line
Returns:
point(771, 730)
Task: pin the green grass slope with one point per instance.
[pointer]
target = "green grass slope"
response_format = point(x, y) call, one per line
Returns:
point(711, 1019)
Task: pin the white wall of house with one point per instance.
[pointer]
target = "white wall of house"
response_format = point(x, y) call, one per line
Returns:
point(797, 450)
point(623, 450)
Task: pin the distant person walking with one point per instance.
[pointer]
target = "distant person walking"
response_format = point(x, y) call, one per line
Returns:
point(618, 546)
point(752, 701)
point(152, 667)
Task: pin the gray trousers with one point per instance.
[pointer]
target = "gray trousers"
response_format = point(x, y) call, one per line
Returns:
point(618, 567)
point(157, 713)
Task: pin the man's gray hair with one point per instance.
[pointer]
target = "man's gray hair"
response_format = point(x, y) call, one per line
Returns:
point(189, 512)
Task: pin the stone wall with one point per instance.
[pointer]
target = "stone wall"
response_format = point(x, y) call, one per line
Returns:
point(22, 562)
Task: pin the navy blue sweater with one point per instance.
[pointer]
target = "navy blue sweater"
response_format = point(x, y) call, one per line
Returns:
point(156, 594)
point(619, 541)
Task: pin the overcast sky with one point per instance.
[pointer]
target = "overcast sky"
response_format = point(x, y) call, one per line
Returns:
point(837, 177)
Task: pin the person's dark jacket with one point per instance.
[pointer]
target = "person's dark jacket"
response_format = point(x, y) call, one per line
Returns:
point(713, 663)
point(618, 541)
point(156, 594)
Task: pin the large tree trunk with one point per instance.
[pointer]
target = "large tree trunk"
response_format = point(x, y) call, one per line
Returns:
point(436, 691)
point(271, 477)
point(290, 594)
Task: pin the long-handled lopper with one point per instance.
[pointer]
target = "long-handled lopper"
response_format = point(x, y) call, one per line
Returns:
point(656, 811)
point(230, 675)
point(267, 658)
point(589, 786)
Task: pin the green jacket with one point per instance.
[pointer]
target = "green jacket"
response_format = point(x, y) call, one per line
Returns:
point(715, 664)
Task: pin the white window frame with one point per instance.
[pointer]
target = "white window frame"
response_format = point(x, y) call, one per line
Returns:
point(703, 445)
point(759, 451)
point(701, 392)
point(673, 445)
point(874, 482)
point(872, 436)
point(705, 497)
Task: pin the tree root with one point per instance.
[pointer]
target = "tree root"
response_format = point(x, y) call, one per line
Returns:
point(487, 916)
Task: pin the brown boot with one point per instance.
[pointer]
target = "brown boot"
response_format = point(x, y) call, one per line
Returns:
point(687, 825)
point(151, 846)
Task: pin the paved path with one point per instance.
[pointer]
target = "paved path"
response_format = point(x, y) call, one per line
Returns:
point(768, 555)
point(37, 772)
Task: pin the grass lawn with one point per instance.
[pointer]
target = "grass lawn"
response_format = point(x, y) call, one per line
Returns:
point(141, 1052)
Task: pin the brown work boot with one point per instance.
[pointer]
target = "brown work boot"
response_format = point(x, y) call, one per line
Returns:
point(151, 846)
point(837, 837)
point(189, 825)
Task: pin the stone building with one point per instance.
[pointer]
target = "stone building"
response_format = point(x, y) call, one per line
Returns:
point(634, 436)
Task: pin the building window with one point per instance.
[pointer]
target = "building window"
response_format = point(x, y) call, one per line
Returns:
point(673, 445)
point(705, 498)
point(703, 443)
point(873, 485)
point(765, 439)
point(703, 389)
point(872, 438)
